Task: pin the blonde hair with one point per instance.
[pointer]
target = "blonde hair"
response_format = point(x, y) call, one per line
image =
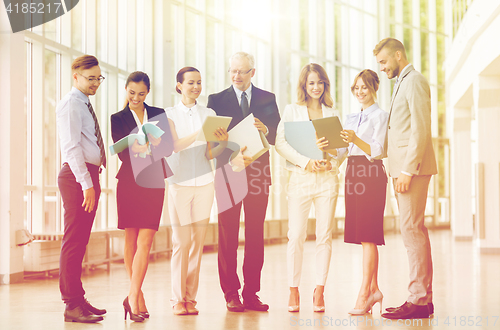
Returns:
point(371, 80)
point(393, 45)
point(302, 96)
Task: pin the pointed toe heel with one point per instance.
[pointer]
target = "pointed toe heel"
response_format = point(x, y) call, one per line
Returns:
point(128, 310)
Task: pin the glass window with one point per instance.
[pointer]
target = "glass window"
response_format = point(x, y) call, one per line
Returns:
point(191, 40)
point(338, 90)
point(407, 41)
point(28, 160)
point(77, 27)
point(304, 25)
point(338, 32)
point(424, 54)
point(213, 8)
point(321, 35)
point(50, 102)
point(122, 37)
point(210, 76)
point(356, 43)
point(440, 21)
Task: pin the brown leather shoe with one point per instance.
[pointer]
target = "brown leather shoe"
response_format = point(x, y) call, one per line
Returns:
point(191, 310)
point(81, 315)
point(234, 304)
point(430, 306)
point(179, 309)
point(253, 303)
point(92, 309)
point(409, 311)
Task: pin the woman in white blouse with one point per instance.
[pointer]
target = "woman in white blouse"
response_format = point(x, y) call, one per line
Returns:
point(365, 183)
point(311, 181)
point(191, 189)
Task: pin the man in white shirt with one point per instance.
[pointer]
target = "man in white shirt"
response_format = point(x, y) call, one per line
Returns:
point(82, 154)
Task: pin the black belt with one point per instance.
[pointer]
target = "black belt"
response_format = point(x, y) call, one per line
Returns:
point(100, 168)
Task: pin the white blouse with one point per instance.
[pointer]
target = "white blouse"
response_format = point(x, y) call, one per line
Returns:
point(370, 125)
point(190, 166)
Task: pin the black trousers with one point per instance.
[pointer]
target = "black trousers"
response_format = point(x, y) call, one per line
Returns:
point(254, 205)
point(77, 227)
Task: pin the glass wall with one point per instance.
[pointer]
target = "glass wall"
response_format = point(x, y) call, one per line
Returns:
point(160, 37)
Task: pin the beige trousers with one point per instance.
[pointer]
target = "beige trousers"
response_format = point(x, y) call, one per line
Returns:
point(416, 239)
point(189, 206)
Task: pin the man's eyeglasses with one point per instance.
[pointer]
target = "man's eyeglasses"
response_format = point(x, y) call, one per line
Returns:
point(241, 73)
point(97, 80)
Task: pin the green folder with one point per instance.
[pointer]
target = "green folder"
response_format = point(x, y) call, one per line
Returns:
point(127, 141)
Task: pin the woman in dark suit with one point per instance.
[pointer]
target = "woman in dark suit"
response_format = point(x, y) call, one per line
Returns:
point(141, 185)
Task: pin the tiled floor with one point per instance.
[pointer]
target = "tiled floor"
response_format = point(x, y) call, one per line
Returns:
point(466, 293)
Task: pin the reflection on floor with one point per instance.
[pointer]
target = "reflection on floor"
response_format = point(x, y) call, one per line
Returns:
point(466, 292)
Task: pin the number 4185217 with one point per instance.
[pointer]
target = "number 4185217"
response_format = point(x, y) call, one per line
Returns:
point(34, 8)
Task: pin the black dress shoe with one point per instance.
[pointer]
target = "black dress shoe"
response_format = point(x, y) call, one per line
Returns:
point(254, 304)
point(409, 311)
point(81, 314)
point(430, 306)
point(234, 304)
point(92, 309)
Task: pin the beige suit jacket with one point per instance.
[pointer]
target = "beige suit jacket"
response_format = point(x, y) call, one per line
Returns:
point(409, 132)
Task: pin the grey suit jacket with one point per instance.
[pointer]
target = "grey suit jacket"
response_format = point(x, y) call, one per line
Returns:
point(409, 135)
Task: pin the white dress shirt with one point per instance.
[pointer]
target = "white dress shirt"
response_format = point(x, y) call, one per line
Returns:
point(190, 166)
point(370, 125)
point(239, 92)
point(76, 128)
point(249, 98)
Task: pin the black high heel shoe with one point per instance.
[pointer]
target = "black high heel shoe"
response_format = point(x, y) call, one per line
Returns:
point(128, 309)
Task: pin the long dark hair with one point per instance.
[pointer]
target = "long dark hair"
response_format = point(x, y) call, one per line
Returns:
point(137, 77)
point(180, 75)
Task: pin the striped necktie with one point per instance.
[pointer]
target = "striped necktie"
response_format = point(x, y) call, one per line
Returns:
point(98, 135)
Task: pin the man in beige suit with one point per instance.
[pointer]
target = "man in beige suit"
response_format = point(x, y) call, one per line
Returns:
point(411, 165)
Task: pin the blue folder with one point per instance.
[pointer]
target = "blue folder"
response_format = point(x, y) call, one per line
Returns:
point(301, 135)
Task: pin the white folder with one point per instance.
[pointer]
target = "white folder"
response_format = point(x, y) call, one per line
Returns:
point(246, 134)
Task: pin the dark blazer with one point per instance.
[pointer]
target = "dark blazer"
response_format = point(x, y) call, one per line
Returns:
point(149, 172)
point(262, 105)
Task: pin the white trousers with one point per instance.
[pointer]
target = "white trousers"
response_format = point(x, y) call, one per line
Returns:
point(303, 190)
point(189, 206)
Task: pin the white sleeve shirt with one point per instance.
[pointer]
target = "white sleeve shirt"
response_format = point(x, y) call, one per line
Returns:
point(76, 128)
point(190, 166)
point(370, 125)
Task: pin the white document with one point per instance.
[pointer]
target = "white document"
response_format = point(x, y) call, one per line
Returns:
point(246, 134)
point(210, 125)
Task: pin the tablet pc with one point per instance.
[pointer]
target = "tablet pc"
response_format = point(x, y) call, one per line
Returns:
point(330, 127)
point(210, 125)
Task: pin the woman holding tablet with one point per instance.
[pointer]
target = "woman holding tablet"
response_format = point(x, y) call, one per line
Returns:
point(311, 181)
point(191, 188)
point(365, 183)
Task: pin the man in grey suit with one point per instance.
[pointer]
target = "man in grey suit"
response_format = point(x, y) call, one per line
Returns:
point(411, 165)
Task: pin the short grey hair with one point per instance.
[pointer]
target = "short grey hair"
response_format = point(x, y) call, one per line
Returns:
point(241, 55)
